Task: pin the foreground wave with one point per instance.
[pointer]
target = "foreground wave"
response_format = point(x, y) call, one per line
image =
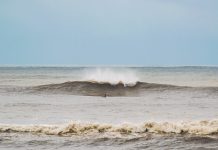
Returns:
point(93, 88)
point(207, 127)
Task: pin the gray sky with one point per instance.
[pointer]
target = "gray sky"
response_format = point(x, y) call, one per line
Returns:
point(112, 32)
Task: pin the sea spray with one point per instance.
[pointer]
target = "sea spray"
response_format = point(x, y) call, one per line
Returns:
point(112, 76)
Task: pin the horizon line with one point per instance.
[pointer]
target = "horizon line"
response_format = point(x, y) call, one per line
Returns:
point(136, 66)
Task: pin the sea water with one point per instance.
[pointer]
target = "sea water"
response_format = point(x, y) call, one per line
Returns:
point(167, 108)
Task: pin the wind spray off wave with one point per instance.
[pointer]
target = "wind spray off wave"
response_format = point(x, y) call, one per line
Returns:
point(112, 76)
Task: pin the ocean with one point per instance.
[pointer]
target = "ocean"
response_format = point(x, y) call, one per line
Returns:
point(121, 108)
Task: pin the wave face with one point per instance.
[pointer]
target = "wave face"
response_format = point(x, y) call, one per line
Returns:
point(209, 127)
point(93, 88)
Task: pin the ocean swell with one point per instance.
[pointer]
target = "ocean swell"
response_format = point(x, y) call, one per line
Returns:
point(93, 88)
point(207, 127)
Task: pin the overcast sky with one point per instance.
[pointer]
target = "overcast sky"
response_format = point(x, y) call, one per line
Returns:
point(109, 32)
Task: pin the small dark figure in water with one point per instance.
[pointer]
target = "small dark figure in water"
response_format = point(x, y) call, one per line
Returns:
point(105, 95)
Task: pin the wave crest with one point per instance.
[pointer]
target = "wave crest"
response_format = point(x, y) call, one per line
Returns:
point(112, 76)
point(92, 88)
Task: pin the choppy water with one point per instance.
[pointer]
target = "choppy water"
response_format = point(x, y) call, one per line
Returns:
point(144, 108)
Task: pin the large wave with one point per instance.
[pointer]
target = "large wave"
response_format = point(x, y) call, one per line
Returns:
point(104, 82)
point(207, 127)
point(93, 88)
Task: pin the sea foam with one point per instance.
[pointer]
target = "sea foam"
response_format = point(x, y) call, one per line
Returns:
point(206, 127)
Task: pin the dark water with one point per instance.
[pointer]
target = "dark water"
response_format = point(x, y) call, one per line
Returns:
point(26, 141)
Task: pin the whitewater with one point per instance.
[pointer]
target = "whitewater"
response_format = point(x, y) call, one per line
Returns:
point(108, 108)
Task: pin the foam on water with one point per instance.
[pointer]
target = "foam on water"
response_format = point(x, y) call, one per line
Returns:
point(206, 127)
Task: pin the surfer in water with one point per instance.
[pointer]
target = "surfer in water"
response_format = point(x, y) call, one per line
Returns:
point(105, 95)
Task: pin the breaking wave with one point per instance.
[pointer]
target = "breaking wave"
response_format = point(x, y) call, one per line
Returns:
point(93, 88)
point(207, 127)
point(105, 82)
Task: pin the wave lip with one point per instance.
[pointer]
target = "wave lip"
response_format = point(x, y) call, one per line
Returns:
point(93, 88)
point(207, 127)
